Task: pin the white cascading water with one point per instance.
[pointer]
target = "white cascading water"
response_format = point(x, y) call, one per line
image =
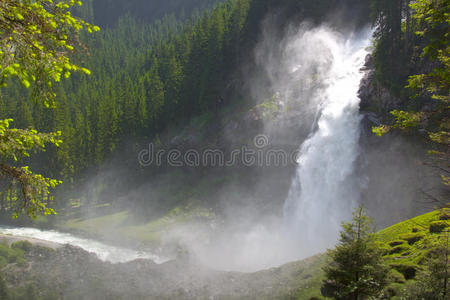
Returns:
point(316, 72)
point(102, 251)
point(325, 190)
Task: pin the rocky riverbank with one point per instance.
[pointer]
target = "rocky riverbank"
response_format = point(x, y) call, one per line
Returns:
point(71, 273)
point(9, 239)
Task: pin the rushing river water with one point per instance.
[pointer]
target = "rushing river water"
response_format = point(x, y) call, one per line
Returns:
point(103, 251)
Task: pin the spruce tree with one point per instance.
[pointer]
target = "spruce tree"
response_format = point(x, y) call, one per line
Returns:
point(356, 270)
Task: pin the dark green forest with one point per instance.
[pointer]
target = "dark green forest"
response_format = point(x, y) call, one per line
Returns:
point(149, 79)
point(106, 13)
point(155, 74)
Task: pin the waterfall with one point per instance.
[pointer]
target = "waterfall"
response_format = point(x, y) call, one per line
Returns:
point(315, 73)
point(325, 188)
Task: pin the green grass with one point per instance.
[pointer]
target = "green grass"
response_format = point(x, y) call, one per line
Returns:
point(408, 244)
point(311, 279)
point(420, 223)
point(154, 230)
point(96, 225)
point(410, 240)
point(149, 233)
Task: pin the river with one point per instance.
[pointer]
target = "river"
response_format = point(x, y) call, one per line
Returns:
point(104, 252)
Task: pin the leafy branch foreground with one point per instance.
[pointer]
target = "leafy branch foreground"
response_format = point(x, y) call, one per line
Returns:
point(36, 39)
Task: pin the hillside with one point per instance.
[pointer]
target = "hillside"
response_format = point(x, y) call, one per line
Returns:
point(407, 246)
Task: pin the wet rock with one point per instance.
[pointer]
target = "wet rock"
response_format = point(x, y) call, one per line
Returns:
point(374, 97)
point(368, 121)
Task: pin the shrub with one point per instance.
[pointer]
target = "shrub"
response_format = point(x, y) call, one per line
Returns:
point(23, 245)
point(392, 290)
point(4, 293)
point(412, 238)
point(4, 250)
point(396, 243)
point(42, 251)
point(445, 215)
point(3, 262)
point(21, 262)
point(408, 270)
point(399, 249)
point(31, 292)
point(438, 226)
point(383, 248)
point(396, 276)
point(14, 255)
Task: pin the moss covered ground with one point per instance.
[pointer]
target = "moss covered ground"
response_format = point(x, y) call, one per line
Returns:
point(406, 247)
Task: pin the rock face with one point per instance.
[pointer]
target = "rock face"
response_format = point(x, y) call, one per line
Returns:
point(376, 101)
point(374, 97)
point(389, 164)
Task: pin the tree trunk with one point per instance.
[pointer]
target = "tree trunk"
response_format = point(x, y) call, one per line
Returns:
point(408, 29)
point(444, 293)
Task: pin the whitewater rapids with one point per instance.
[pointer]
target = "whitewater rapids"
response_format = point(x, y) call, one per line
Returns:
point(104, 252)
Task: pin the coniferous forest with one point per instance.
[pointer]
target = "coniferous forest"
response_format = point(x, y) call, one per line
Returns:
point(141, 86)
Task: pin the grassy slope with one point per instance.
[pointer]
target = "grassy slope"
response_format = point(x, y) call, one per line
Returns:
point(406, 245)
point(120, 226)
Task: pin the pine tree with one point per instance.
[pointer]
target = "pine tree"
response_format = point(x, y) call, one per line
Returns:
point(356, 270)
point(391, 56)
point(154, 90)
